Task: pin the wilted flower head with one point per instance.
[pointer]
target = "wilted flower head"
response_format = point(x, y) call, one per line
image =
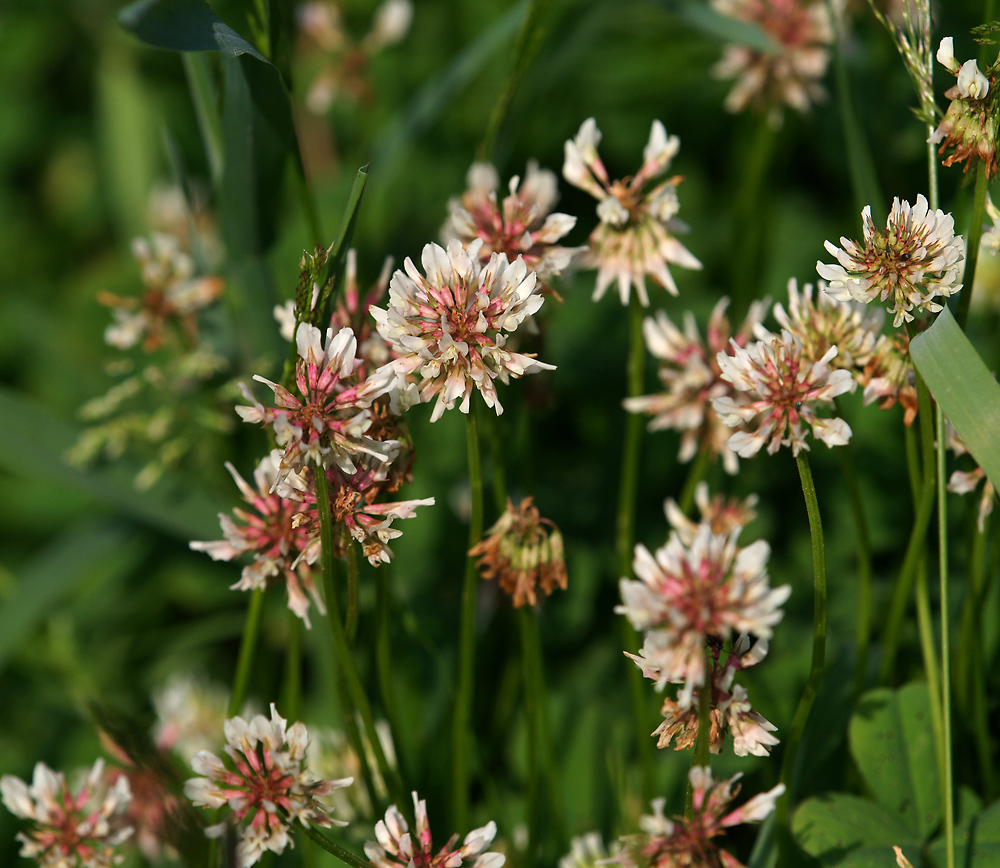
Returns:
point(691, 377)
point(270, 784)
point(688, 843)
point(687, 595)
point(916, 259)
point(525, 551)
point(327, 423)
point(970, 124)
point(452, 325)
point(784, 386)
point(521, 225)
point(281, 548)
point(636, 234)
point(826, 323)
point(396, 846)
point(189, 715)
point(789, 75)
point(173, 295)
point(722, 514)
point(889, 376)
point(730, 708)
point(962, 482)
point(73, 829)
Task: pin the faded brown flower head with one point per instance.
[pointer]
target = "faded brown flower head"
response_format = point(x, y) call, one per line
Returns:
point(889, 377)
point(525, 551)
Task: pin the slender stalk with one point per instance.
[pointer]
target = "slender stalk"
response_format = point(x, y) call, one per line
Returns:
point(499, 482)
point(342, 853)
point(244, 664)
point(292, 688)
point(625, 534)
point(913, 464)
point(531, 702)
point(925, 628)
point(948, 783)
point(355, 692)
point(383, 655)
point(748, 228)
point(351, 622)
point(695, 475)
point(467, 634)
point(703, 744)
point(972, 245)
point(818, 654)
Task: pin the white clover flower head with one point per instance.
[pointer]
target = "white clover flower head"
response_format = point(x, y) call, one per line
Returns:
point(636, 235)
point(451, 324)
point(972, 84)
point(691, 378)
point(916, 259)
point(78, 828)
point(685, 595)
point(270, 787)
point(722, 514)
point(785, 387)
point(681, 841)
point(396, 846)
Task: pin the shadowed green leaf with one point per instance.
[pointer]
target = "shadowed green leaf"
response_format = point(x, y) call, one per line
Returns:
point(851, 832)
point(964, 387)
point(183, 25)
point(983, 832)
point(892, 741)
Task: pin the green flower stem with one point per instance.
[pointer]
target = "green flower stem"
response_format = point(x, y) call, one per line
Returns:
point(531, 710)
point(499, 469)
point(467, 635)
point(913, 463)
point(918, 536)
point(748, 228)
point(695, 475)
point(972, 245)
point(320, 840)
point(383, 656)
point(625, 535)
point(925, 628)
point(818, 655)
point(529, 40)
point(244, 664)
point(949, 784)
point(703, 744)
point(353, 573)
point(355, 692)
point(291, 701)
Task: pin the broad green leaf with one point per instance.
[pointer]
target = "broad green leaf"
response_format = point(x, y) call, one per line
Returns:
point(892, 741)
point(962, 384)
point(33, 440)
point(983, 833)
point(183, 25)
point(51, 575)
point(851, 832)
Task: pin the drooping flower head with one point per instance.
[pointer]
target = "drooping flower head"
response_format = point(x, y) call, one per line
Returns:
point(636, 235)
point(889, 376)
point(691, 377)
point(281, 549)
point(523, 224)
point(395, 846)
point(689, 843)
point(730, 708)
point(79, 828)
point(686, 595)
point(451, 325)
point(963, 482)
point(969, 126)
point(823, 323)
point(785, 388)
point(525, 551)
point(914, 260)
point(328, 421)
point(722, 514)
point(270, 786)
point(791, 74)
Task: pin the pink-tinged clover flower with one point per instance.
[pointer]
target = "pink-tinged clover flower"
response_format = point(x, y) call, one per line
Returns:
point(451, 325)
point(270, 786)
point(327, 422)
point(678, 841)
point(784, 387)
point(395, 846)
point(791, 74)
point(914, 260)
point(889, 377)
point(691, 377)
point(636, 235)
point(523, 224)
point(281, 549)
point(722, 514)
point(687, 595)
point(73, 829)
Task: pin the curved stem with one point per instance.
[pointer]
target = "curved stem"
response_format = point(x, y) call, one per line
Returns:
point(531, 710)
point(343, 854)
point(818, 652)
point(383, 658)
point(948, 783)
point(467, 635)
point(351, 623)
point(244, 665)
